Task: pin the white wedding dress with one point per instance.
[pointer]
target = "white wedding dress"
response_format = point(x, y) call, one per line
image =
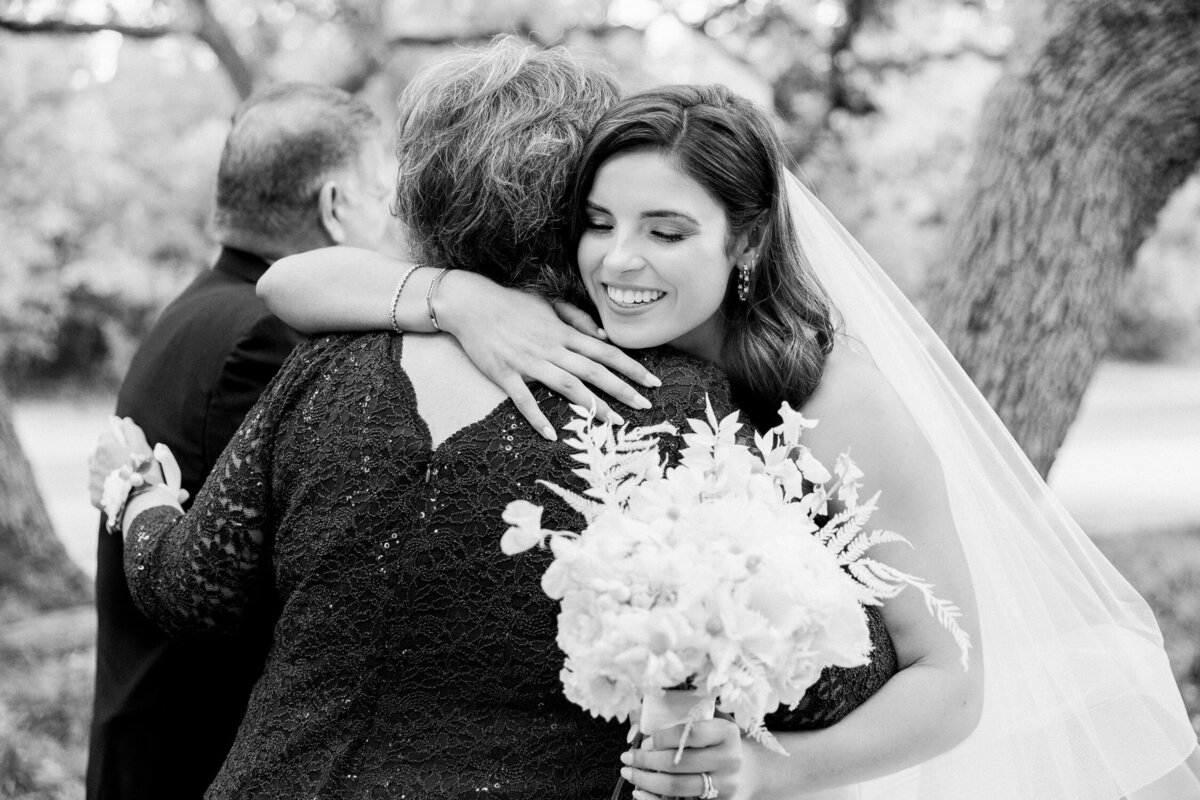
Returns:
point(1079, 700)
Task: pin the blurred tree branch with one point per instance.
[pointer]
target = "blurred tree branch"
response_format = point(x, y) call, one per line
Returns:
point(209, 30)
point(67, 26)
point(742, 24)
point(194, 18)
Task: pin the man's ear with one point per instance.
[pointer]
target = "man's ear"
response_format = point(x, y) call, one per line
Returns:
point(328, 208)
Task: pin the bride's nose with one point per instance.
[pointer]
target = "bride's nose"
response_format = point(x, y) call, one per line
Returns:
point(624, 255)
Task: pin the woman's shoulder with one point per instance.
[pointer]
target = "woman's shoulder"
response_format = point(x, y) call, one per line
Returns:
point(319, 358)
point(688, 383)
point(678, 365)
point(681, 373)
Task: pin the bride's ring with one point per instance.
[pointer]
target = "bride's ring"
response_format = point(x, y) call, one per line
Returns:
point(709, 792)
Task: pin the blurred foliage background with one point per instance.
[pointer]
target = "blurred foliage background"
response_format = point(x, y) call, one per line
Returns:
point(112, 115)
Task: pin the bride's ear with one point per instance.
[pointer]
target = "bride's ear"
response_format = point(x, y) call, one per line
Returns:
point(749, 242)
point(328, 202)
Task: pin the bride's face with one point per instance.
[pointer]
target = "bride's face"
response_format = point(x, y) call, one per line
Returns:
point(653, 255)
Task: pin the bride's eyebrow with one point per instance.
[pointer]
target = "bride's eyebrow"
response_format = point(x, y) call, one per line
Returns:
point(666, 213)
point(655, 214)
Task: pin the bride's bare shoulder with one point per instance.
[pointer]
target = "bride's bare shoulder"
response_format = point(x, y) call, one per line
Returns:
point(857, 408)
point(848, 378)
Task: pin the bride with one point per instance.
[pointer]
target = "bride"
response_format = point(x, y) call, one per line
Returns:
point(1069, 694)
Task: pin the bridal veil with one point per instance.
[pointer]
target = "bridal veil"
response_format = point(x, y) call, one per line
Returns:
point(1079, 700)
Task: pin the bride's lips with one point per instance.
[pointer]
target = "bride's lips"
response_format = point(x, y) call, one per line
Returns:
point(630, 298)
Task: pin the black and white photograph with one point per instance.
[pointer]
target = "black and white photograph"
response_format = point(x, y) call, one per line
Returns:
point(599, 399)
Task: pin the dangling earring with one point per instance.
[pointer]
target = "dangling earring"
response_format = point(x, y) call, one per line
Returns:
point(744, 270)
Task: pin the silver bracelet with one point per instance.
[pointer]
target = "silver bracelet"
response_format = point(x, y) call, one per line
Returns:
point(429, 298)
point(396, 294)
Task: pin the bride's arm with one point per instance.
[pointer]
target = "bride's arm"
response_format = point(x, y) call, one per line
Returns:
point(511, 336)
point(931, 703)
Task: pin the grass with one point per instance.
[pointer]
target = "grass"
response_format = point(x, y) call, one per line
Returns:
point(48, 663)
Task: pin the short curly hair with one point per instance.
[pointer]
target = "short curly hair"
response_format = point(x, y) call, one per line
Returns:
point(487, 144)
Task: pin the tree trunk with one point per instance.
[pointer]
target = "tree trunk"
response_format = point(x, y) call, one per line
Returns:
point(36, 574)
point(1079, 148)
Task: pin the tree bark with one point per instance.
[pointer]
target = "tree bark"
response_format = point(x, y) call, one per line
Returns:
point(36, 574)
point(1079, 148)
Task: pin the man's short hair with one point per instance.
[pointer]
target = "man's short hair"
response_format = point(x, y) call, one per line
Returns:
point(285, 142)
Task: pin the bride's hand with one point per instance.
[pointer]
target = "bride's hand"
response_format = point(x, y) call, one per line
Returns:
point(513, 337)
point(713, 746)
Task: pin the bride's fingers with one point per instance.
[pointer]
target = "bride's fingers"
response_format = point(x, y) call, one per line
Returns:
point(512, 383)
point(577, 318)
point(690, 762)
point(689, 784)
point(595, 374)
point(514, 386)
point(563, 382)
point(710, 759)
point(704, 733)
point(615, 359)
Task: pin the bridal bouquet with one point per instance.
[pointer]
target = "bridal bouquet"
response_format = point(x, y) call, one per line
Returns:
point(725, 575)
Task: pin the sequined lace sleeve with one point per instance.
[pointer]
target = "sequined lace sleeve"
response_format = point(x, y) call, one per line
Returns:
point(840, 690)
point(205, 571)
point(209, 571)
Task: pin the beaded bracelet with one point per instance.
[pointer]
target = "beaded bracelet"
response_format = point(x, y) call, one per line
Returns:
point(396, 294)
point(429, 298)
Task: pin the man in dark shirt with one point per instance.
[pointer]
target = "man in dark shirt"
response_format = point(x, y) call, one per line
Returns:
point(304, 166)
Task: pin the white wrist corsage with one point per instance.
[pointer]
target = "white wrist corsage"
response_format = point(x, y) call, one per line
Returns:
point(128, 481)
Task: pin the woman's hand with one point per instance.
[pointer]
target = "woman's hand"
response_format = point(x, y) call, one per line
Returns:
point(713, 746)
point(514, 337)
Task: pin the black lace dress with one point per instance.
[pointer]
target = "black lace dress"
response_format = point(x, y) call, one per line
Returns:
point(411, 659)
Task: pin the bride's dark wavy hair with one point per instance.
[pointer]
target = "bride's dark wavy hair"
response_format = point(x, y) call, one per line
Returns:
point(776, 342)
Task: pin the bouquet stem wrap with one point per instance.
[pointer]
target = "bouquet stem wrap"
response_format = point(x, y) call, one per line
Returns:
point(674, 707)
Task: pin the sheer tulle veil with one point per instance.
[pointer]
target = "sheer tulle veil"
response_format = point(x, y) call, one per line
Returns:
point(1079, 700)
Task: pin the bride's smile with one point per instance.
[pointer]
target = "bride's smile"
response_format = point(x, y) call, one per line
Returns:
point(655, 254)
point(632, 298)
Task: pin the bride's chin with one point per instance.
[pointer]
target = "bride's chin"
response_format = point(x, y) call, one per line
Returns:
point(632, 341)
